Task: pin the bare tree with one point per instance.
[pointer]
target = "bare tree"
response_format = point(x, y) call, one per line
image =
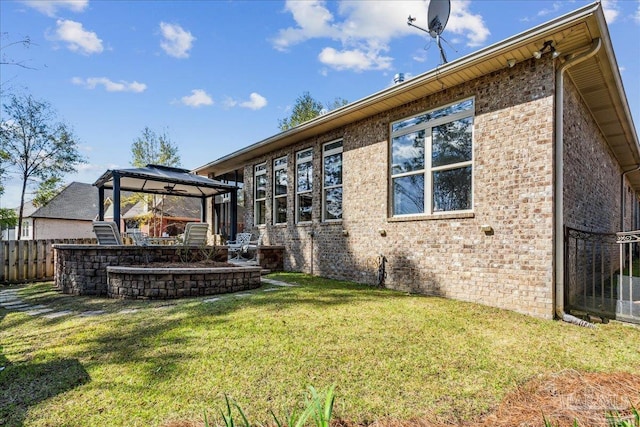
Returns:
point(35, 146)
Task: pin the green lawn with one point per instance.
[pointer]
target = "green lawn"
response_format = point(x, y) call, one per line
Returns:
point(390, 355)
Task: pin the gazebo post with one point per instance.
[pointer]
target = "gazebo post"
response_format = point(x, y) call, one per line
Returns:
point(100, 203)
point(203, 209)
point(234, 208)
point(116, 198)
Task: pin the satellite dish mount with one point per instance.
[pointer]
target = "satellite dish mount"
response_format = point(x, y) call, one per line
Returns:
point(437, 18)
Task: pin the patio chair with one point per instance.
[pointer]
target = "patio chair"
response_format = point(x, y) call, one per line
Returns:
point(139, 238)
point(107, 233)
point(195, 233)
point(235, 247)
point(252, 246)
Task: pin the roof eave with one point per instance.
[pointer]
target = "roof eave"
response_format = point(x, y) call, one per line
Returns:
point(484, 61)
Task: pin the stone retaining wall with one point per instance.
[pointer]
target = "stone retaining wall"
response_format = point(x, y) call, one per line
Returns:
point(82, 269)
point(167, 283)
point(271, 257)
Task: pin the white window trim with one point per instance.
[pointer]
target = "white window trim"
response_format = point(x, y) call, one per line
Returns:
point(259, 170)
point(297, 216)
point(26, 227)
point(427, 171)
point(326, 153)
point(277, 168)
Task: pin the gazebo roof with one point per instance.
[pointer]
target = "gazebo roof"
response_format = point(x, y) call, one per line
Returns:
point(157, 179)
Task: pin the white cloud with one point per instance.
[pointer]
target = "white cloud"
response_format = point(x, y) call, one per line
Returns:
point(465, 23)
point(177, 42)
point(555, 7)
point(198, 98)
point(109, 85)
point(355, 59)
point(77, 38)
point(255, 102)
point(361, 31)
point(51, 7)
point(637, 15)
point(611, 10)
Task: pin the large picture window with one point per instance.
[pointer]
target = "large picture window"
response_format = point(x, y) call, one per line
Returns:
point(304, 185)
point(332, 182)
point(432, 161)
point(280, 186)
point(260, 194)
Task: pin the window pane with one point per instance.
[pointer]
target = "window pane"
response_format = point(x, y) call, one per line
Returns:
point(408, 195)
point(452, 190)
point(410, 122)
point(333, 203)
point(452, 142)
point(333, 170)
point(280, 182)
point(280, 206)
point(261, 186)
point(282, 161)
point(261, 212)
point(333, 146)
point(407, 152)
point(305, 176)
point(303, 155)
point(453, 109)
point(305, 206)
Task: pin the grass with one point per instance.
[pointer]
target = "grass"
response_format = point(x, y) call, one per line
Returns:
point(390, 355)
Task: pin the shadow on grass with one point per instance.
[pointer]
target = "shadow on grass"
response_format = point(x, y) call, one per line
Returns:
point(151, 336)
point(25, 385)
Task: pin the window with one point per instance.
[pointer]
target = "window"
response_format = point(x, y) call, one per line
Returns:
point(25, 229)
point(432, 161)
point(280, 186)
point(260, 194)
point(332, 183)
point(304, 185)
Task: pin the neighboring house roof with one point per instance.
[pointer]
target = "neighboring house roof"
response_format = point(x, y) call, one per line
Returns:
point(597, 79)
point(27, 209)
point(77, 201)
point(174, 207)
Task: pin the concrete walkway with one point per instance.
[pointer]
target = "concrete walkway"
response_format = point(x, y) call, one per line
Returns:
point(10, 300)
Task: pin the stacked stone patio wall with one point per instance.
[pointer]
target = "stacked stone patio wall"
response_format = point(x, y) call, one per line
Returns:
point(168, 283)
point(82, 269)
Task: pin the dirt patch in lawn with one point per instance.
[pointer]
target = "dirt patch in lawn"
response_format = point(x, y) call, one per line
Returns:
point(562, 398)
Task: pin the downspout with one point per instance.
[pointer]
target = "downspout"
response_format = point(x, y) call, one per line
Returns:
point(558, 185)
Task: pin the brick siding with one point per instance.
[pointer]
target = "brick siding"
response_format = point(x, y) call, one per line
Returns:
point(447, 255)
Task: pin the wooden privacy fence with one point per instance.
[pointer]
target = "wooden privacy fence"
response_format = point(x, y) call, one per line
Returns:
point(30, 260)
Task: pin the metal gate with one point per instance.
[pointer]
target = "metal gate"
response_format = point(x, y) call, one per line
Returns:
point(628, 305)
point(602, 274)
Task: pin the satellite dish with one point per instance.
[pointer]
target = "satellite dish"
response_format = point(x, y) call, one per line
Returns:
point(437, 18)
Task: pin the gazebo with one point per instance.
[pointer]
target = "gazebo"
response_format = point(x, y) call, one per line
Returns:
point(164, 180)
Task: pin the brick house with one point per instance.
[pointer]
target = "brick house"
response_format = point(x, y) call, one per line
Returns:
point(463, 177)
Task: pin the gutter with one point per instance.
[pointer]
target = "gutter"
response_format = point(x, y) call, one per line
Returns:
point(558, 184)
point(368, 106)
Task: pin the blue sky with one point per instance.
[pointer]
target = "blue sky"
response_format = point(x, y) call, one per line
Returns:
point(218, 75)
